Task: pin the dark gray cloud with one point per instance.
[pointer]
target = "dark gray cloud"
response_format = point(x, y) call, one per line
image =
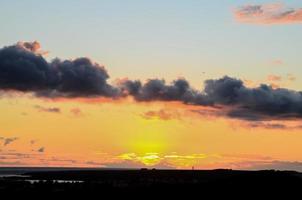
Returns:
point(130, 87)
point(156, 89)
point(23, 69)
point(159, 90)
point(79, 78)
point(260, 103)
point(263, 102)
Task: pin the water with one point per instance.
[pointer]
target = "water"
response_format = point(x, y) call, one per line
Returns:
point(12, 175)
point(56, 181)
point(18, 172)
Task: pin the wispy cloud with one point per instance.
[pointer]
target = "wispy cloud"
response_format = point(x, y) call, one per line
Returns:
point(76, 112)
point(274, 13)
point(9, 140)
point(265, 165)
point(161, 114)
point(47, 109)
point(41, 150)
point(291, 77)
point(273, 125)
point(274, 78)
point(277, 62)
point(32, 142)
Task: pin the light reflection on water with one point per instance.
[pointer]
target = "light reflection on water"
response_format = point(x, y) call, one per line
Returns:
point(56, 181)
point(12, 175)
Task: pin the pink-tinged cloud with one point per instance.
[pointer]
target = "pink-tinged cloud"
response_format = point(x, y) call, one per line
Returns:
point(277, 62)
point(34, 47)
point(274, 78)
point(275, 13)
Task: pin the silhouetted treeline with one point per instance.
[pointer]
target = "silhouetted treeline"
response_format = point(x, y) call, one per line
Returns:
point(155, 183)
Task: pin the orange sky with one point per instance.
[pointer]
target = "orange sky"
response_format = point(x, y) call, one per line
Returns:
point(130, 134)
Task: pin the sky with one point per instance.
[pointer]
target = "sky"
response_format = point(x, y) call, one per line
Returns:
point(164, 84)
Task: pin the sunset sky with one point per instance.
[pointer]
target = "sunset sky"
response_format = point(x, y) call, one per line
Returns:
point(157, 84)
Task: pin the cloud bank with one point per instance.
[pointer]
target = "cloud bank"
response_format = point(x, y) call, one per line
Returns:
point(23, 69)
point(275, 13)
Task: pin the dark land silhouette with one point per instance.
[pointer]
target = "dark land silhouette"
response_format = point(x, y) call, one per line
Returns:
point(145, 183)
